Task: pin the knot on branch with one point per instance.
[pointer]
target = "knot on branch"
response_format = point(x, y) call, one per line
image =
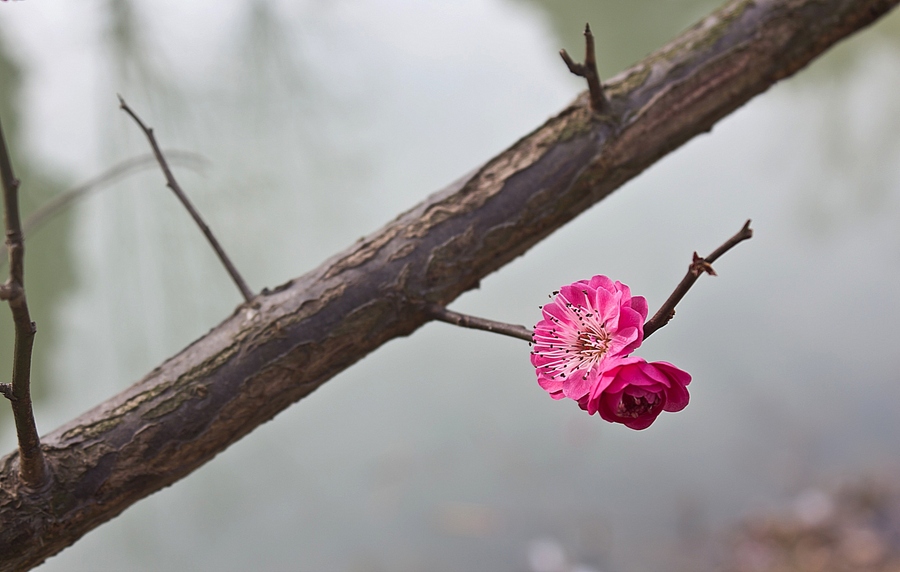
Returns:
point(699, 265)
point(7, 391)
point(588, 70)
point(8, 291)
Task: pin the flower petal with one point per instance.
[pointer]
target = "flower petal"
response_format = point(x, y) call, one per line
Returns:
point(639, 305)
point(676, 398)
point(582, 351)
point(579, 384)
point(678, 375)
point(639, 423)
point(603, 282)
point(574, 295)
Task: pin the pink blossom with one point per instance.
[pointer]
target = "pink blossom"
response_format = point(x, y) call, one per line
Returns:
point(634, 392)
point(588, 326)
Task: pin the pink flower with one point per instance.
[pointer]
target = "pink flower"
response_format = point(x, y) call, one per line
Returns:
point(588, 326)
point(634, 392)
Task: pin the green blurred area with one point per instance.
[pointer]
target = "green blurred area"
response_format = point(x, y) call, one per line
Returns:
point(624, 32)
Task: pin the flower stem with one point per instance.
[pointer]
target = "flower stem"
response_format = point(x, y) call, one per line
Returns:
point(697, 267)
point(438, 312)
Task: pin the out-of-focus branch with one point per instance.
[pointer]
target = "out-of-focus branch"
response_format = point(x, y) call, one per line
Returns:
point(32, 468)
point(176, 188)
point(697, 267)
point(36, 220)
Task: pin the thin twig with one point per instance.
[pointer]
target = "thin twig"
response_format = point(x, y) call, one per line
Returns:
point(32, 467)
point(697, 267)
point(438, 312)
point(60, 202)
point(176, 188)
point(588, 70)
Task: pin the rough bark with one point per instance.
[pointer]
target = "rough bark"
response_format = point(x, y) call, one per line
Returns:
point(291, 340)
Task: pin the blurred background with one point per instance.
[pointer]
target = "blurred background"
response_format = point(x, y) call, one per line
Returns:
point(319, 121)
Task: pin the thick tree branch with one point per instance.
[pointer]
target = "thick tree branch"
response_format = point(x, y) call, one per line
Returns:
point(260, 360)
point(32, 468)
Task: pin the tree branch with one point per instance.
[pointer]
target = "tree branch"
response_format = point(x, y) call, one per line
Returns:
point(176, 188)
point(662, 317)
point(442, 314)
point(32, 468)
point(260, 360)
point(697, 267)
point(588, 70)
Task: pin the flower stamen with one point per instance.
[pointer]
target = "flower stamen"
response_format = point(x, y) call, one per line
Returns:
point(634, 406)
point(588, 324)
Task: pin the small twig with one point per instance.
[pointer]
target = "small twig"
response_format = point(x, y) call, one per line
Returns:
point(60, 202)
point(588, 70)
point(32, 467)
point(438, 312)
point(697, 267)
point(176, 188)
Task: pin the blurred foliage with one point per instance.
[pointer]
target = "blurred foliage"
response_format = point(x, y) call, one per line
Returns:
point(854, 527)
point(133, 55)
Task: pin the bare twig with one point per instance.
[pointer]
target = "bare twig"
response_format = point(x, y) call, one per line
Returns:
point(38, 218)
point(32, 468)
point(697, 267)
point(438, 312)
point(176, 188)
point(588, 70)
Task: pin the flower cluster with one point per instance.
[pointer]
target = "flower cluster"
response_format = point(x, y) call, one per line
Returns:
point(582, 350)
